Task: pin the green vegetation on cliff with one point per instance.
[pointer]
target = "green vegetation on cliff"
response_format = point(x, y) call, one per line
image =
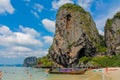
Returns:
point(102, 61)
point(105, 61)
point(101, 47)
point(117, 15)
point(72, 8)
point(45, 62)
point(84, 60)
point(109, 23)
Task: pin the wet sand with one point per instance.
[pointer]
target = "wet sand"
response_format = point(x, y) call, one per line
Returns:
point(93, 74)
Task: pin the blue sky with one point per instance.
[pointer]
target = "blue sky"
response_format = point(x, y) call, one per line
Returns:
point(27, 26)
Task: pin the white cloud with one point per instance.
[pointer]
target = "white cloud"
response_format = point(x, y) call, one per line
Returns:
point(38, 7)
point(86, 4)
point(49, 24)
point(48, 39)
point(6, 7)
point(30, 31)
point(57, 3)
point(4, 30)
point(24, 43)
point(35, 14)
point(20, 48)
point(9, 53)
point(101, 32)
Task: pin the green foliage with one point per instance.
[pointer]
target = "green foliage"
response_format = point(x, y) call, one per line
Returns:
point(85, 59)
point(105, 61)
point(45, 61)
point(102, 61)
point(109, 22)
point(72, 7)
point(102, 40)
point(117, 15)
point(101, 48)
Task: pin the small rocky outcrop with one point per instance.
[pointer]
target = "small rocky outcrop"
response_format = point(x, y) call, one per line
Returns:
point(75, 36)
point(112, 35)
point(30, 62)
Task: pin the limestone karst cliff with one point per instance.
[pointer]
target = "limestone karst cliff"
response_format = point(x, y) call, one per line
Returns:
point(112, 35)
point(75, 36)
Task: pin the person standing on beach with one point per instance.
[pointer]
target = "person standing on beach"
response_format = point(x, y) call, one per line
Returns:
point(0, 75)
point(106, 69)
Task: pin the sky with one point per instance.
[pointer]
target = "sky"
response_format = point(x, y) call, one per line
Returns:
point(27, 27)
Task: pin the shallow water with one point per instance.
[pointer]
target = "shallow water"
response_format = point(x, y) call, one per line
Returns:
point(23, 73)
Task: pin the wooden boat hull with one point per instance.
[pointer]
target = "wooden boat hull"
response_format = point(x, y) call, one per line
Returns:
point(71, 72)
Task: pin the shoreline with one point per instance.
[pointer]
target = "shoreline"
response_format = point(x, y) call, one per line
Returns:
point(109, 73)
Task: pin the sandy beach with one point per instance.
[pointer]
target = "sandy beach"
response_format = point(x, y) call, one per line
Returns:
point(104, 74)
point(111, 73)
point(23, 73)
point(93, 74)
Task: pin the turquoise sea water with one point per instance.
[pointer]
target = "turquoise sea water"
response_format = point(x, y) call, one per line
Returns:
point(23, 73)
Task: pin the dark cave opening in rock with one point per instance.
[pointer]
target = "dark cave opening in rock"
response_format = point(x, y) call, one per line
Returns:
point(81, 53)
point(68, 17)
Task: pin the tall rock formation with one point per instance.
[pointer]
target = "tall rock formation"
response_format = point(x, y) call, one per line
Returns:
point(75, 36)
point(112, 35)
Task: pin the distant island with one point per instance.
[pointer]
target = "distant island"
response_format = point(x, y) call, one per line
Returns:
point(33, 61)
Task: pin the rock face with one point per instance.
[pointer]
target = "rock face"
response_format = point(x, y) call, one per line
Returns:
point(112, 35)
point(75, 36)
point(30, 61)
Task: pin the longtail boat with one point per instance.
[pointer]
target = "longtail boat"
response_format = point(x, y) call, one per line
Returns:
point(66, 71)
